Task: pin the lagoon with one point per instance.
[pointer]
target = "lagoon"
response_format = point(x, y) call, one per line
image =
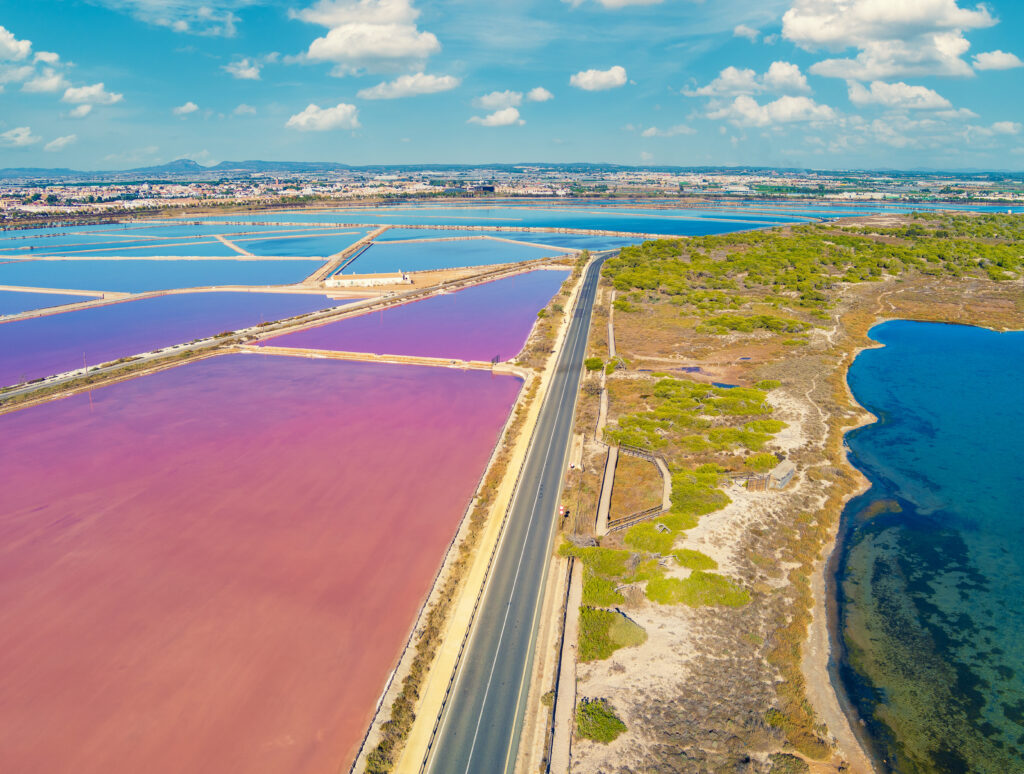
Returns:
point(931, 572)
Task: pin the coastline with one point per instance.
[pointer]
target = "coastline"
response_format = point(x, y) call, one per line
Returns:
point(823, 644)
point(824, 690)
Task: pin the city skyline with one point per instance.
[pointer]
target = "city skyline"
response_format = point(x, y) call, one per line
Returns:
point(792, 83)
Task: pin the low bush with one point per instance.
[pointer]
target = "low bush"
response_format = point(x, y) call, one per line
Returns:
point(761, 463)
point(701, 588)
point(602, 632)
point(694, 560)
point(595, 719)
point(647, 537)
point(598, 591)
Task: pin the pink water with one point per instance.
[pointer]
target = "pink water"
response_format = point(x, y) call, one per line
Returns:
point(478, 323)
point(39, 347)
point(214, 568)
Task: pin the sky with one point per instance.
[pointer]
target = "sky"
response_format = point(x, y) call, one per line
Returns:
point(825, 84)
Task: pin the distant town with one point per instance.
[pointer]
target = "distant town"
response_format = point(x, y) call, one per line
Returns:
point(28, 195)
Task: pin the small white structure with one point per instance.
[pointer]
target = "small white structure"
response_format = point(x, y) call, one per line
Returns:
point(367, 280)
point(781, 475)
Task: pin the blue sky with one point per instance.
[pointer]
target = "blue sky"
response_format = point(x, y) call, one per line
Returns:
point(109, 84)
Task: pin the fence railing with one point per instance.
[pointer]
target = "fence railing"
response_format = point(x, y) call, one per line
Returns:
point(634, 518)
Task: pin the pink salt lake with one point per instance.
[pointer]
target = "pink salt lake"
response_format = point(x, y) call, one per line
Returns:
point(214, 568)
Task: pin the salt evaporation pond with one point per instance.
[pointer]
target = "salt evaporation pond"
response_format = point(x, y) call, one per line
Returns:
point(570, 241)
point(16, 302)
point(145, 248)
point(666, 222)
point(427, 256)
point(931, 571)
point(139, 275)
point(300, 245)
point(214, 568)
point(478, 323)
point(42, 346)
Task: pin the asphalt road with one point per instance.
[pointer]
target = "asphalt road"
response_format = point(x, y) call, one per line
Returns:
point(482, 725)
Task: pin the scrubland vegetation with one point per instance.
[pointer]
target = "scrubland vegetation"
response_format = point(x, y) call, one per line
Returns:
point(595, 719)
point(800, 300)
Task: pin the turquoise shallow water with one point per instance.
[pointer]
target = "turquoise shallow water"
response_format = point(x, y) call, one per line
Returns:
point(930, 574)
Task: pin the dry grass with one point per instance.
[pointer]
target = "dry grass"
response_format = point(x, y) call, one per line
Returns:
point(637, 486)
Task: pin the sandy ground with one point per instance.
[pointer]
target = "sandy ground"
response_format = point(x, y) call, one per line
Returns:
point(678, 644)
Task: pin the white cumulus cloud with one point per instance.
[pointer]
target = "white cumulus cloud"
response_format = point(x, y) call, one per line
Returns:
point(909, 37)
point(317, 119)
point(410, 86)
point(504, 117)
point(368, 34)
point(186, 109)
point(197, 17)
point(18, 137)
point(244, 110)
point(244, 69)
point(49, 80)
point(672, 131)
point(539, 94)
point(11, 48)
point(60, 143)
point(15, 74)
point(1006, 127)
point(781, 77)
point(746, 111)
point(96, 94)
point(744, 31)
point(615, 4)
point(599, 80)
point(785, 77)
point(497, 100)
point(897, 95)
point(80, 111)
point(997, 60)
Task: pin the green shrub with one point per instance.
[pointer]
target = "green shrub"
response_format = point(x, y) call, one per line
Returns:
point(701, 588)
point(602, 632)
point(598, 591)
point(772, 426)
point(646, 537)
point(597, 720)
point(694, 560)
point(609, 562)
point(744, 324)
point(695, 492)
point(784, 763)
point(768, 384)
point(761, 463)
point(622, 305)
point(593, 363)
point(679, 522)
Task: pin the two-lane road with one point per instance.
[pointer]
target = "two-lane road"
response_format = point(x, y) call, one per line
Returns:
point(482, 723)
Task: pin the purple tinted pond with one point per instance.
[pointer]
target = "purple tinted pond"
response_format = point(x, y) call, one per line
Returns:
point(139, 276)
point(43, 346)
point(426, 256)
point(478, 323)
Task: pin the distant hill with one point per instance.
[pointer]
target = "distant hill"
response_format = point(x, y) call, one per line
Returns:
point(181, 170)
